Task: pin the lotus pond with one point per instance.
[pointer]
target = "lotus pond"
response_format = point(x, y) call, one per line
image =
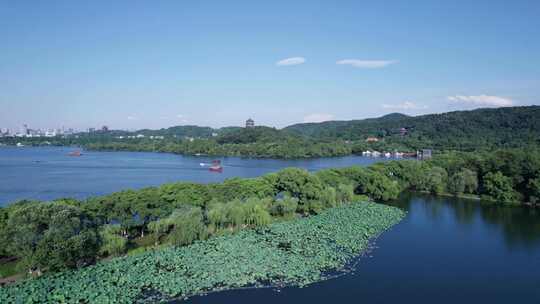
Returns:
point(297, 253)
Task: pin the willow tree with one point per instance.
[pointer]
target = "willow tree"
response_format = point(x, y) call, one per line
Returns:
point(187, 226)
point(112, 243)
point(256, 213)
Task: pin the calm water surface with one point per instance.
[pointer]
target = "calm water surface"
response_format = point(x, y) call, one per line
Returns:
point(48, 173)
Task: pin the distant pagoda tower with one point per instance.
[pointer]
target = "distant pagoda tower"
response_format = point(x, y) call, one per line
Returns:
point(250, 123)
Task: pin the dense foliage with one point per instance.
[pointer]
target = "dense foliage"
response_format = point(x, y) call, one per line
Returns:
point(53, 235)
point(289, 253)
point(462, 130)
point(287, 148)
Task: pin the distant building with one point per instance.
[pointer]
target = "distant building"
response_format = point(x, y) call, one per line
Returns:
point(24, 130)
point(104, 129)
point(403, 131)
point(91, 130)
point(372, 139)
point(50, 133)
point(250, 123)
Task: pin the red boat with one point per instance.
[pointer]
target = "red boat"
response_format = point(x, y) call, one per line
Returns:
point(75, 153)
point(216, 166)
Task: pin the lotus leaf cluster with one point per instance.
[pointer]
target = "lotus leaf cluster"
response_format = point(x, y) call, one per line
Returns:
point(296, 253)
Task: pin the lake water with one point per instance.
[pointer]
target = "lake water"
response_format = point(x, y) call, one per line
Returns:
point(445, 251)
point(49, 173)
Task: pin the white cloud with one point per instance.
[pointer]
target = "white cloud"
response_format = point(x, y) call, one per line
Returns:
point(291, 61)
point(182, 118)
point(482, 100)
point(407, 105)
point(366, 64)
point(318, 117)
point(132, 117)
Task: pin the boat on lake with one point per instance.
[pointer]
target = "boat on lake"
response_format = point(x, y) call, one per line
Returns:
point(75, 153)
point(216, 166)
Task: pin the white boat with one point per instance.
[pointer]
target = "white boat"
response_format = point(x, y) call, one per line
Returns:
point(20, 145)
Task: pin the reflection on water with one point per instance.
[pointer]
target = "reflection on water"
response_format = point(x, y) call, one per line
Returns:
point(519, 226)
point(446, 250)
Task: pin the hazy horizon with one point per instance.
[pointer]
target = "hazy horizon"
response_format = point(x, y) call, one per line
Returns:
point(136, 65)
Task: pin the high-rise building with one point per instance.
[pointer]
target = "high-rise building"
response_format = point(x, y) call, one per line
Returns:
point(24, 130)
point(250, 123)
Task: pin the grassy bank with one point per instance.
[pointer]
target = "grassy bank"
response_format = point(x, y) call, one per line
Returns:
point(296, 252)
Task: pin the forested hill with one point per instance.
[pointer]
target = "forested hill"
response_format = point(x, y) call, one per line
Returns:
point(176, 131)
point(180, 131)
point(501, 127)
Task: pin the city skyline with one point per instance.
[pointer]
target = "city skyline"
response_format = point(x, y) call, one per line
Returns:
point(133, 66)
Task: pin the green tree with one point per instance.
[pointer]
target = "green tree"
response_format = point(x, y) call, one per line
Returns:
point(534, 188)
point(256, 213)
point(3, 223)
point(159, 229)
point(499, 187)
point(377, 186)
point(332, 177)
point(345, 193)
point(284, 207)
point(187, 226)
point(236, 213)
point(464, 181)
point(112, 244)
point(51, 235)
point(328, 197)
point(217, 215)
point(471, 180)
point(435, 180)
point(300, 184)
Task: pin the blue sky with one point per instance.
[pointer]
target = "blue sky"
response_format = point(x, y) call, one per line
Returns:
point(141, 64)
